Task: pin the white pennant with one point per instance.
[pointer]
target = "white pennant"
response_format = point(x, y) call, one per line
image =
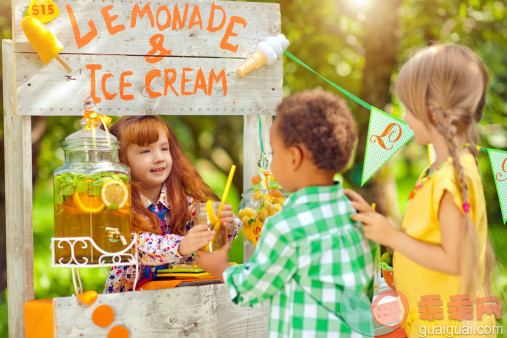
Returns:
point(498, 160)
point(386, 135)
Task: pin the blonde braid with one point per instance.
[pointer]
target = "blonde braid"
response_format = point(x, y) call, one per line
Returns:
point(447, 125)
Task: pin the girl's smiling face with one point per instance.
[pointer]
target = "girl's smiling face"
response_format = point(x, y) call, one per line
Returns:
point(151, 164)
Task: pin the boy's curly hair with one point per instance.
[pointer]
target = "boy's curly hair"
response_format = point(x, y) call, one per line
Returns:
point(323, 123)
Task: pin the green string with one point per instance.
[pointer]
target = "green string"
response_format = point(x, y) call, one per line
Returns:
point(351, 96)
point(260, 134)
point(355, 98)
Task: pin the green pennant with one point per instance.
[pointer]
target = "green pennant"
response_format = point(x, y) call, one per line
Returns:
point(386, 135)
point(498, 160)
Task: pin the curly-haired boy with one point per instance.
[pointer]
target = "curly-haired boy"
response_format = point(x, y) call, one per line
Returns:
point(310, 256)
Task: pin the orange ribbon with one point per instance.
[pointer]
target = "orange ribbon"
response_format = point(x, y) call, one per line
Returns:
point(92, 117)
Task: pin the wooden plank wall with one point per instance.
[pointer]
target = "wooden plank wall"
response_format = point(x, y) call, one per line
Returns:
point(193, 311)
point(173, 86)
point(131, 31)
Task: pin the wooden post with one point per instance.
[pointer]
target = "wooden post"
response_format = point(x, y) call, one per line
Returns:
point(251, 154)
point(18, 201)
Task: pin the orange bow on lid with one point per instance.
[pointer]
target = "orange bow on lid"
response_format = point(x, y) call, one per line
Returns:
point(92, 117)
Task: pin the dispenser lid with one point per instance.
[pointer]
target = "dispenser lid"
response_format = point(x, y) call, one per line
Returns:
point(91, 136)
point(96, 138)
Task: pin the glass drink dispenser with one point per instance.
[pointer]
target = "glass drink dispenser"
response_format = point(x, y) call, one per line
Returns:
point(91, 197)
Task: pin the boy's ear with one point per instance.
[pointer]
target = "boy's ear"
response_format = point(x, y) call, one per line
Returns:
point(297, 156)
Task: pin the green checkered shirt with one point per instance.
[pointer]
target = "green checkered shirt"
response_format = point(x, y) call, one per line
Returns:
point(314, 265)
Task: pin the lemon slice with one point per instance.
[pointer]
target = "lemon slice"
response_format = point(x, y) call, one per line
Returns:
point(87, 203)
point(211, 212)
point(114, 192)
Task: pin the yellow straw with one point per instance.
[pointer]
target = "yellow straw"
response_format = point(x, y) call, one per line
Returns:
point(373, 205)
point(105, 127)
point(224, 196)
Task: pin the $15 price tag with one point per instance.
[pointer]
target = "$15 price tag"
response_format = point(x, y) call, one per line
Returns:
point(43, 10)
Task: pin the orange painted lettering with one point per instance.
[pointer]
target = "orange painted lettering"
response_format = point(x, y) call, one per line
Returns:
point(177, 20)
point(124, 85)
point(109, 20)
point(168, 18)
point(212, 18)
point(92, 69)
point(169, 82)
point(184, 81)
point(228, 33)
point(498, 176)
point(136, 11)
point(107, 95)
point(196, 13)
point(200, 82)
point(147, 80)
point(213, 77)
point(81, 41)
point(157, 42)
point(393, 129)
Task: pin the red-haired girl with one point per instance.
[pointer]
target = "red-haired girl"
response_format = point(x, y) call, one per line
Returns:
point(164, 186)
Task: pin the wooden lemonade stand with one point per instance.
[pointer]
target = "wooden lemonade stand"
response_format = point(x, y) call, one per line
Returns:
point(158, 57)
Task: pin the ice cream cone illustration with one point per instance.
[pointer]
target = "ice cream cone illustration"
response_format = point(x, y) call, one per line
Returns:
point(267, 52)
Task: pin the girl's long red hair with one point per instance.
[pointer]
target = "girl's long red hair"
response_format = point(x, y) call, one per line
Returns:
point(183, 181)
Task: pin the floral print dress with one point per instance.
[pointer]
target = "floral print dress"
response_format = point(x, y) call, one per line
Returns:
point(155, 251)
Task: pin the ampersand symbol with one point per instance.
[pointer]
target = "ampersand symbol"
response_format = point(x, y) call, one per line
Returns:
point(157, 42)
point(499, 175)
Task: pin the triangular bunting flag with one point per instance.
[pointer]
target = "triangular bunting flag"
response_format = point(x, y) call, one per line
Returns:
point(498, 159)
point(386, 135)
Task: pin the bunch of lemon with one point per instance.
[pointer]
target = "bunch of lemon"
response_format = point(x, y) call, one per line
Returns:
point(267, 202)
point(77, 193)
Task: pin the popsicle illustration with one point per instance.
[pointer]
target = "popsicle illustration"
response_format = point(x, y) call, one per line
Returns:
point(267, 52)
point(43, 41)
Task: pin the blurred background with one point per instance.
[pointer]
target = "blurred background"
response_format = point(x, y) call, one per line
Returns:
point(360, 45)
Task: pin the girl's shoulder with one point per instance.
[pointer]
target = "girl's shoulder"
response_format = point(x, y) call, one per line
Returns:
point(446, 179)
point(467, 162)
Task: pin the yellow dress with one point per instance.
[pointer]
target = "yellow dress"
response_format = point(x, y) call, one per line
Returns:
point(421, 222)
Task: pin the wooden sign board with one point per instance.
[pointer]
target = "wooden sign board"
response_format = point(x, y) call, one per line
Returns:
point(158, 57)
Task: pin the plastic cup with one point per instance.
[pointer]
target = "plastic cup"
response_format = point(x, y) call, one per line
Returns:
point(201, 217)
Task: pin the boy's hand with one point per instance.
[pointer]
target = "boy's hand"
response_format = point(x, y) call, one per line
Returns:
point(214, 262)
point(227, 218)
point(196, 238)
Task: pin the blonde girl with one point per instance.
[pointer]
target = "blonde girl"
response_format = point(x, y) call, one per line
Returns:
point(164, 186)
point(442, 248)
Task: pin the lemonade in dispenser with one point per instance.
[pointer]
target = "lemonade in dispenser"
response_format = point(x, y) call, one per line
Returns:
point(91, 194)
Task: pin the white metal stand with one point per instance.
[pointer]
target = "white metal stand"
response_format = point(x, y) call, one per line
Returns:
point(128, 256)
